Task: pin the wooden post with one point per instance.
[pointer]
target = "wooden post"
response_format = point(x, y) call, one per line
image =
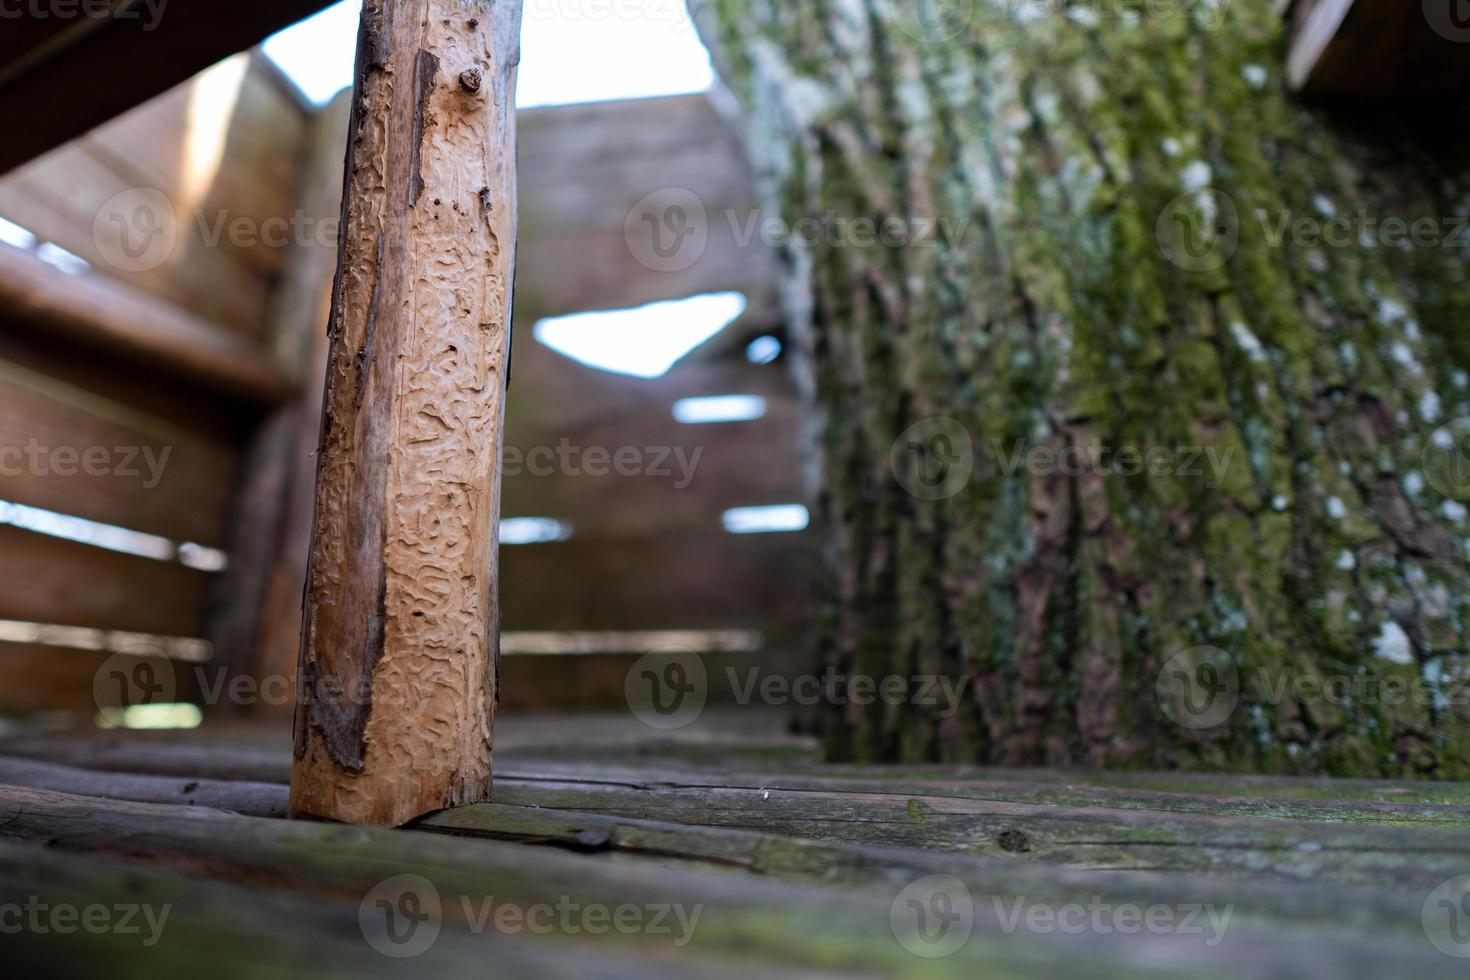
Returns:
point(396, 687)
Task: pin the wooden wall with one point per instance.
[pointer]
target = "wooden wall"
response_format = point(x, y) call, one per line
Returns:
point(648, 551)
point(138, 365)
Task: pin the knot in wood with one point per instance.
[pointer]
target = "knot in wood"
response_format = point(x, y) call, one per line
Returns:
point(470, 79)
point(1014, 841)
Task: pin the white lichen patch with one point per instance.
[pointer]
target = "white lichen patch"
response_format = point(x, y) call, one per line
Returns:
point(1248, 341)
point(1392, 644)
point(1256, 76)
point(1429, 406)
point(1347, 561)
point(1336, 509)
point(1196, 176)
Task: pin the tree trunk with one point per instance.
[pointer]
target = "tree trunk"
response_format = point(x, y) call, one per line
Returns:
point(1161, 480)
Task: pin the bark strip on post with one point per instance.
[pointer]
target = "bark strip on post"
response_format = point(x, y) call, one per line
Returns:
point(396, 687)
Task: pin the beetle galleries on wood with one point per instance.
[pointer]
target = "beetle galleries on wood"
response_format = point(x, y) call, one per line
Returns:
point(399, 650)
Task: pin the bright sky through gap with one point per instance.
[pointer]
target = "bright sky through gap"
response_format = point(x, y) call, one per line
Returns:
point(644, 342)
point(571, 51)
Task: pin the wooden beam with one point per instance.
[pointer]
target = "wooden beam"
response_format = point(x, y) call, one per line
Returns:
point(1377, 48)
point(106, 315)
point(62, 75)
point(401, 616)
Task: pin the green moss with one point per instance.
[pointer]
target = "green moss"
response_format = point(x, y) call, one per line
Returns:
point(1064, 317)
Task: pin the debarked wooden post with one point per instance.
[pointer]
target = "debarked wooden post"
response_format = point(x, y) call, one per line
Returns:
point(399, 648)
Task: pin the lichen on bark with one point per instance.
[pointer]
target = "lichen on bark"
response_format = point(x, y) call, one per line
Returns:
point(1050, 157)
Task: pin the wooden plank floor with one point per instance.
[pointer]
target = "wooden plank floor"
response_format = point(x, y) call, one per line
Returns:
point(727, 848)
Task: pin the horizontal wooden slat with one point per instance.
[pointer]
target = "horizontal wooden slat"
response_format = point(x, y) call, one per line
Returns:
point(585, 168)
point(59, 97)
point(48, 580)
point(48, 678)
point(221, 266)
point(238, 931)
point(140, 473)
point(111, 316)
point(568, 422)
point(705, 579)
point(1378, 48)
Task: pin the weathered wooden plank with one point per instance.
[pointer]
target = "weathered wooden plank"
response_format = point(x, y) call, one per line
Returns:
point(765, 922)
point(173, 926)
point(605, 453)
point(110, 316)
point(401, 607)
point(690, 579)
point(1378, 48)
point(237, 796)
point(81, 454)
point(254, 180)
point(587, 168)
point(49, 580)
point(832, 863)
point(1078, 836)
point(220, 215)
point(51, 678)
point(54, 88)
point(1409, 846)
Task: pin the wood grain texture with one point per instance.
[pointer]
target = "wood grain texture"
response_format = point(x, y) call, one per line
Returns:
point(211, 271)
point(49, 580)
point(110, 316)
point(61, 90)
point(401, 614)
point(1378, 48)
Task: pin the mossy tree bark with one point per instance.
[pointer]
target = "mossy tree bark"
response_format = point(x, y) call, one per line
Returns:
point(1281, 584)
